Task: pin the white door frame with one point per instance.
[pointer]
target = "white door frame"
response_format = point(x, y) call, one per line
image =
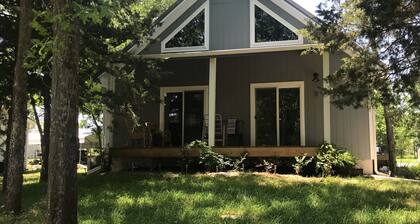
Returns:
point(178, 89)
point(278, 85)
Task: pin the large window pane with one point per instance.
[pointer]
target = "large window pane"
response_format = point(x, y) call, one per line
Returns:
point(289, 108)
point(265, 117)
point(173, 117)
point(268, 29)
point(193, 116)
point(192, 35)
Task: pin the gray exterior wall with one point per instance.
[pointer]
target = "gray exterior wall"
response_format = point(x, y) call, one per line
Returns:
point(234, 77)
point(350, 126)
point(229, 24)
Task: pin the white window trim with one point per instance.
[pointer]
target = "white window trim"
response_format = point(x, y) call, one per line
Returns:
point(177, 89)
point(206, 8)
point(254, 44)
point(279, 85)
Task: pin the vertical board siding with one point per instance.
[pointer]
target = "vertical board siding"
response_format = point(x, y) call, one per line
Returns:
point(234, 77)
point(350, 127)
point(229, 24)
point(235, 74)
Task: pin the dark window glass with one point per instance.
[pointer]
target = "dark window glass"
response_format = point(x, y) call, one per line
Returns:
point(193, 116)
point(192, 35)
point(265, 117)
point(173, 117)
point(289, 106)
point(268, 29)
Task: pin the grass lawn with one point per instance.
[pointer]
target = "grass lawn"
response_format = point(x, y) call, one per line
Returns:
point(245, 198)
point(411, 160)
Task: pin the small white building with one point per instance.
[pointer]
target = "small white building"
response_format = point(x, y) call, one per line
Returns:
point(33, 142)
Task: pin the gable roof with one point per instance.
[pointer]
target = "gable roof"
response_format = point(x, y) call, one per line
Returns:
point(180, 6)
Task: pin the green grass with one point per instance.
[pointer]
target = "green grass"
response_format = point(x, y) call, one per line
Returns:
point(411, 160)
point(245, 198)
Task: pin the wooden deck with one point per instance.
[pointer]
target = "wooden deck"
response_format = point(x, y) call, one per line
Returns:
point(228, 151)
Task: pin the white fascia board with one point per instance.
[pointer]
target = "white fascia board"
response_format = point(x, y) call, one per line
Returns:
point(165, 23)
point(292, 11)
point(230, 52)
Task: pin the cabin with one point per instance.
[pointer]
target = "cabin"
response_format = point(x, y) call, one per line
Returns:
point(235, 76)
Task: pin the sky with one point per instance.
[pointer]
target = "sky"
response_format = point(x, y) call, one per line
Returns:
point(309, 5)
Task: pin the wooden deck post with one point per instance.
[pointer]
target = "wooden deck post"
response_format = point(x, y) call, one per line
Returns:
point(212, 101)
point(327, 103)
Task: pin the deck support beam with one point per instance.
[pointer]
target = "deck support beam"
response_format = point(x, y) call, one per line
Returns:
point(212, 101)
point(327, 100)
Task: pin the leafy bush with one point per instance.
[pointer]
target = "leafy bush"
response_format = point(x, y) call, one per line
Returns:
point(213, 161)
point(330, 158)
point(269, 166)
point(301, 162)
point(409, 172)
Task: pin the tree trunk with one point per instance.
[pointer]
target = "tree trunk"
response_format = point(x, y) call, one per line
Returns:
point(64, 145)
point(46, 143)
point(42, 134)
point(6, 153)
point(13, 196)
point(390, 140)
point(98, 131)
point(37, 121)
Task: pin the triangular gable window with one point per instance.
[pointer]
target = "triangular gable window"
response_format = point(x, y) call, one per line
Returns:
point(269, 29)
point(191, 35)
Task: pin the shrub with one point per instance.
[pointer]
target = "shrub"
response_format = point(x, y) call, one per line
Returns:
point(409, 172)
point(212, 160)
point(330, 158)
point(301, 162)
point(269, 166)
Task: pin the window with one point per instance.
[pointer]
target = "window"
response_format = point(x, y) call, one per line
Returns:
point(278, 114)
point(182, 113)
point(191, 35)
point(269, 29)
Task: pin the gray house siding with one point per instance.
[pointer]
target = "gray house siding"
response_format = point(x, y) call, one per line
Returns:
point(234, 77)
point(350, 126)
point(229, 24)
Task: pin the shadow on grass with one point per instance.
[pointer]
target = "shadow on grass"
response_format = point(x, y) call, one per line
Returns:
point(158, 198)
point(134, 198)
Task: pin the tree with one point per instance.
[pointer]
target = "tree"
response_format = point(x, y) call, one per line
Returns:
point(62, 170)
point(8, 42)
point(13, 195)
point(382, 38)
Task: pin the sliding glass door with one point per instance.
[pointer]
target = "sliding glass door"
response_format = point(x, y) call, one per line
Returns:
point(183, 116)
point(277, 114)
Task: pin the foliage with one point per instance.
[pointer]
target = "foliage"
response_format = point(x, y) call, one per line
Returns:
point(382, 37)
point(410, 172)
point(268, 166)
point(211, 160)
point(251, 198)
point(330, 158)
point(301, 162)
point(407, 129)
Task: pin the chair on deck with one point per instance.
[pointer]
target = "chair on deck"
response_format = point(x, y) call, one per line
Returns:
point(219, 130)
